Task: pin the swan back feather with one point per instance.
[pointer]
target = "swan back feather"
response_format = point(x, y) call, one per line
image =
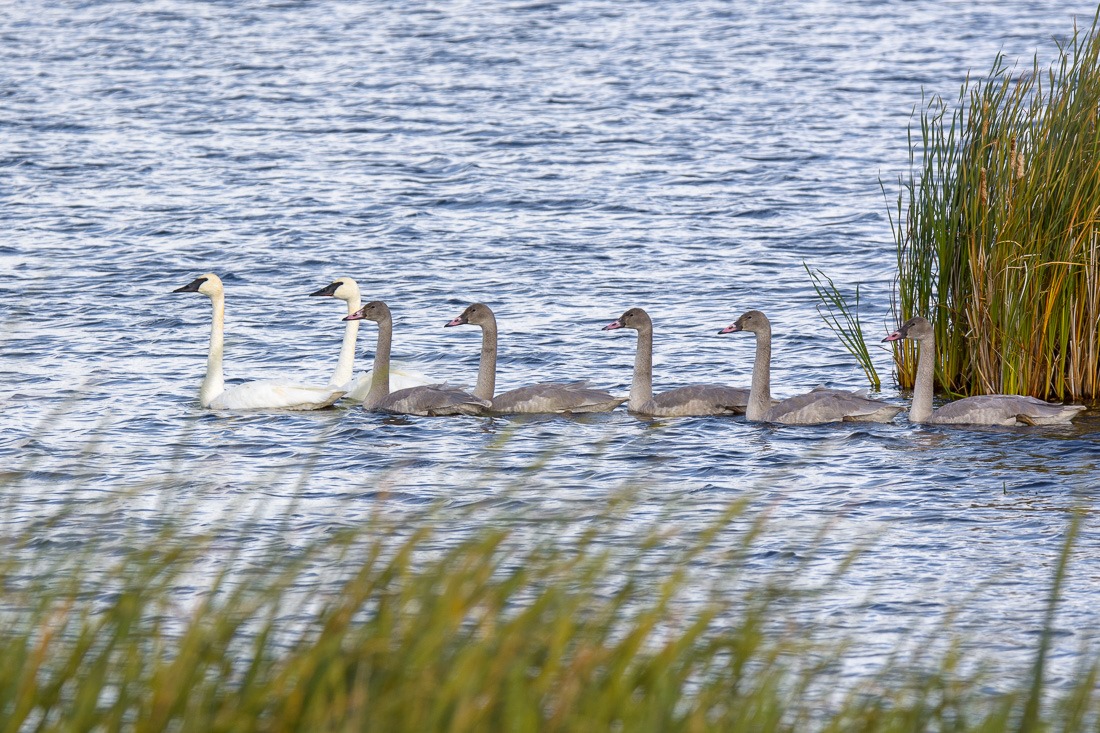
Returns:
point(432, 401)
point(1004, 410)
point(550, 397)
point(277, 394)
point(697, 399)
point(830, 405)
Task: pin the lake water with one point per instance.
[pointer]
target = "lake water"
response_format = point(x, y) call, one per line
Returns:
point(561, 161)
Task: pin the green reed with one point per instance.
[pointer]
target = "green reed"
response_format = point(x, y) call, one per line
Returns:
point(833, 309)
point(397, 626)
point(997, 230)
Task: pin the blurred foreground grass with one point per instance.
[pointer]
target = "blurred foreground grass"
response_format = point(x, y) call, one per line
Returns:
point(389, 626)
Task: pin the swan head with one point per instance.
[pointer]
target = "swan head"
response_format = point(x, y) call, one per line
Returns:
point(375, 310)
point(915, 328)
point(478, 314)
point(342, 288)
point(209, 285)
point(635, 318)
point(752, 321)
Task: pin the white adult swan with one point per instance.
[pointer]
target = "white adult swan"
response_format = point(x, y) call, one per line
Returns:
point(347, 290)
point(258, 395)
point(697, 399)
point(992, 409)
point(438, 399)
point(545, 397)
point(819, 406)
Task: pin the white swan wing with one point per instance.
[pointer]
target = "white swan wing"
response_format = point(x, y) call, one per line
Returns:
point(275, 394)
point(357, 389)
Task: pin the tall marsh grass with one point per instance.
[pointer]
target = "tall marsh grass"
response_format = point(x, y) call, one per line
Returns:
point(391, 626)
point(997, 230)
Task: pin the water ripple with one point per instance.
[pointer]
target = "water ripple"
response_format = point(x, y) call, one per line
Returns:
point(561, 161)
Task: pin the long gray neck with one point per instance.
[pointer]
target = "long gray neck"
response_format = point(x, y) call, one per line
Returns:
point(641, 388)
point(380, 379)
point(921, 409)
point(487, 370)
point(760, 391)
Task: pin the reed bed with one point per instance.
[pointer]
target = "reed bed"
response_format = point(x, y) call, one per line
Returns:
point(996, 230)
point(389, 626)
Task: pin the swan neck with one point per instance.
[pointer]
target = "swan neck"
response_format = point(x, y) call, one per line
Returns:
point(641, 388)
point(214, 382)
point(380, 380)
point(760, 390)
point(487, 369)
point(921, 410)
point(346, 365)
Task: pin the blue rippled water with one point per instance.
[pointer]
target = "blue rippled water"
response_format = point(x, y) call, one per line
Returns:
point(562, 161)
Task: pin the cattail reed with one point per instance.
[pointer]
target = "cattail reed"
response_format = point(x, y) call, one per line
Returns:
point(1001, 255)
point(1017, 161)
